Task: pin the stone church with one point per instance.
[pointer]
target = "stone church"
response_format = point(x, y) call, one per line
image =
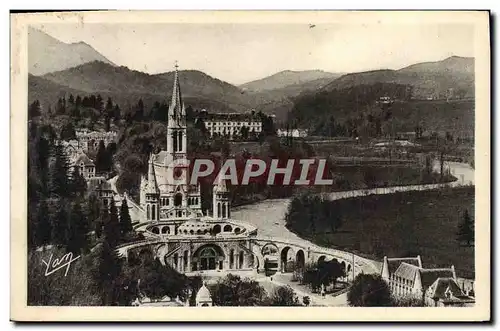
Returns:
point(170, 209)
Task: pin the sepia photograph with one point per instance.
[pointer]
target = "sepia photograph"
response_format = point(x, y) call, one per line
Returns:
point(307, 162)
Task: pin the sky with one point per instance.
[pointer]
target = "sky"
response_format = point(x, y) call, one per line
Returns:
point(238, 53)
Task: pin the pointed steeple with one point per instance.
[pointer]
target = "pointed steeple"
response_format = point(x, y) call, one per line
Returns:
point(152, 186)
point(221, 185)
point(176, 106)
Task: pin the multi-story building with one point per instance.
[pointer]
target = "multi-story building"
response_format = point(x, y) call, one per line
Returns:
point(232, 125)
point(89, 140)
point(407, 278)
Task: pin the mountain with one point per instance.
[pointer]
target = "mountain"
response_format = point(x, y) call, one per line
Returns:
point(435, 80)
point(287, 78)
point(47, 92)
point(126, 86)
point(47, 54)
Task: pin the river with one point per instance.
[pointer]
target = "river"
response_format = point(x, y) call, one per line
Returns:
point(269, 215)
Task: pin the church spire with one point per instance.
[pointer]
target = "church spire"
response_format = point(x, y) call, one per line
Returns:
point(176, 107)
point(152, 186)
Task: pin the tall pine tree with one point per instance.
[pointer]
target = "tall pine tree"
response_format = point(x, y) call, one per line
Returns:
point(43, 229)
point(77, 230)
point(101, 159)
point(466, 229)
point(107, 273)
point(59, 183)
point(60, 228)
point(112, 226)
point(125, 220)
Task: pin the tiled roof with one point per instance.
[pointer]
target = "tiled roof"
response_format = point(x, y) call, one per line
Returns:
point(429, 276)
point(438, 288)
point(85, 159)
point(393, 263)
point(406, 271)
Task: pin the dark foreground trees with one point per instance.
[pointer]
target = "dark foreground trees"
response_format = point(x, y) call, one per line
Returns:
point(369, 290)
point(466, 229)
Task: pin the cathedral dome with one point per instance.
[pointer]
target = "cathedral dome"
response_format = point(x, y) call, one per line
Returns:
point(203, 294)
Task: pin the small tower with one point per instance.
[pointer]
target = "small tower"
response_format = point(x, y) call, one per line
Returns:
point(203, 297)
point(152, 193)
point(221, 204)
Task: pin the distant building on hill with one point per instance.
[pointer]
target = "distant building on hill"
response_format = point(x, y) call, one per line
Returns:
point(407, 278)
point(232, 125)
point(89, 140)
point(295, 133)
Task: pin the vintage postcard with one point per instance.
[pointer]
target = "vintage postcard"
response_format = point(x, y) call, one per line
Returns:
point(306, 166)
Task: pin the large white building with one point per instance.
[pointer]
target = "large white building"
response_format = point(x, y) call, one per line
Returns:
point(232, 124)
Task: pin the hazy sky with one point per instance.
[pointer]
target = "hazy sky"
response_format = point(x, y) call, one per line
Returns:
point(238, 53)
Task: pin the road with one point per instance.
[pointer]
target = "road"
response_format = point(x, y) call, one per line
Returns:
point(269, 216)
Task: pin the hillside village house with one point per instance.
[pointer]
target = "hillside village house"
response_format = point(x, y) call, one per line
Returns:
point(85, 166)
point(407, 278)
point(231, 124)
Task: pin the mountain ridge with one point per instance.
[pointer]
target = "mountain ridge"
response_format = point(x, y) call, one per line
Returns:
point(47, 54)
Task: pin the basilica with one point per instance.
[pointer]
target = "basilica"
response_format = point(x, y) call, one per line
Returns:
point(170, 209)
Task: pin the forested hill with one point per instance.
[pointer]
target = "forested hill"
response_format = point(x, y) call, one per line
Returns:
point(451, 77)
point(127, 86)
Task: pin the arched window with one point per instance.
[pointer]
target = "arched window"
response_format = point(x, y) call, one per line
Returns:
point(174, 138)
point(199, 232)
point(191, 232)
point(241, 260)
point(228, 228)
point(180, 141)
point(178, 199)
point(156, 230)
point(231, 259)
point(153, 212)
point(216, 229)
point(176, 261)
point(237, 230)
point(147, 212)
point(223, 210)
point(218, 209)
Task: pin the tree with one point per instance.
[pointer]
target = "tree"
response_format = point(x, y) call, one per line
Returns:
point(78, 183)
point(43, 228)
point(125, 220)
point(234, 291)
point(116, 112)
point(369, 290)
point(284, 296)
point(59, 183)
point(112, 226)
point(306, 300)
point(101, 159)
point(60, 229)
point(108, 270)
point(77, 230)
point(34, 109)
point(466, 229)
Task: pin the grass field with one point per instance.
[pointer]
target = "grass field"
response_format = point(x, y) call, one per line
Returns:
point(404, 224)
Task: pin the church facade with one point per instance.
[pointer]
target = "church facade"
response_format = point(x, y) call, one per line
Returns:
point(171, 215)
